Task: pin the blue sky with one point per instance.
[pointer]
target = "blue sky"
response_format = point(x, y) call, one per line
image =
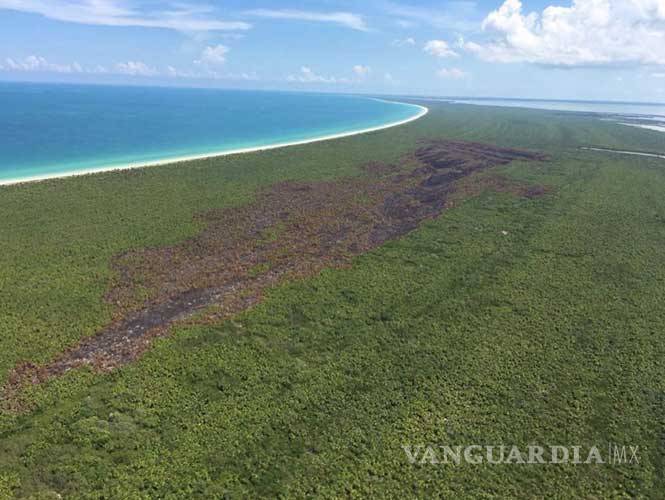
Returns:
point(587, 49)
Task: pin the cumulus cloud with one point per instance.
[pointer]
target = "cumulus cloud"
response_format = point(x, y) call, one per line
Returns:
point(362, 71)
point(250, 77)
point(306, 75)
point(452, 74)
point(346, 19)
point(38, 63)
point(406, 42)
point(134, 68)
point(588, 32)
point(207, 73)
point(178, 16)
point(439, 48)
point(214, 56)
point(41, 64)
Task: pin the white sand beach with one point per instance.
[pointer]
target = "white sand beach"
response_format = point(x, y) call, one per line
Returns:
point(166, 161)
point(657, 128)
point(616, 151)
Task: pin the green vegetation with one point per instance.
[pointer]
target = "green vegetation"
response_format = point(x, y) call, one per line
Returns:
point(455, 334)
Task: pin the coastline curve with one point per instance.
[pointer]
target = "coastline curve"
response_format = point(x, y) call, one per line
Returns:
point(422, 111)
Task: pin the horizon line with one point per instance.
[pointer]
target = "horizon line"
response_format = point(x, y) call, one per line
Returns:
point(331, 92)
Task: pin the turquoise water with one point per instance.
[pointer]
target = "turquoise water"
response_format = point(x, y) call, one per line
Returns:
point(57, 129)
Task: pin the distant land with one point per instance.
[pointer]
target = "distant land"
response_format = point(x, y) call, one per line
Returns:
point(649, 109)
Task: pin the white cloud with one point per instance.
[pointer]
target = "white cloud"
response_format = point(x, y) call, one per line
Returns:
point(251, 77)
point(458, 15)
point(181, 17)
point(346, 19)
point(452, 74)
point(37, 63)
point(362, 71)
point(41, 64)
point(439, 48)
point(588, 32)
point(207, 73)
point(306, 75)
point(406, 42)
point(214, 55)
point(658, 75)
point(134, 68)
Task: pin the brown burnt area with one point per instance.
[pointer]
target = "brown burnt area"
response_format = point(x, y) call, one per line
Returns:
point(292, 230)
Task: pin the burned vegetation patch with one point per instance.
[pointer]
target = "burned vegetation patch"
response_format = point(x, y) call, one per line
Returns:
point(291, 230)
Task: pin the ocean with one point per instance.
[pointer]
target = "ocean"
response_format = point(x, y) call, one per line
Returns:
point(51, 129)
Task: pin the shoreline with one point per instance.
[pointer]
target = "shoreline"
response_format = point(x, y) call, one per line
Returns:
point(657, 128)
point(182, 159)
point(622, 152)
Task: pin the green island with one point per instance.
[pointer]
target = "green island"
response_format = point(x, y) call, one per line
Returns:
point(473, 277)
